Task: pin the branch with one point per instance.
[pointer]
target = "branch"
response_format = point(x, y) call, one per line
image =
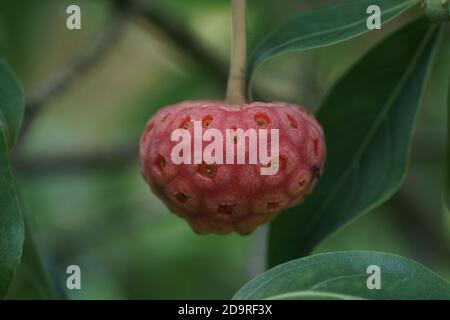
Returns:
point(96, 160)
point(180, 37)
point(85, 61)
point(419, 223)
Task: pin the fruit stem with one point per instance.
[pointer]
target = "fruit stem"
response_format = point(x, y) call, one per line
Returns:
point(236, 90)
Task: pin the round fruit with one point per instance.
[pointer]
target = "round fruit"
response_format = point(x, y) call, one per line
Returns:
point(221, 198)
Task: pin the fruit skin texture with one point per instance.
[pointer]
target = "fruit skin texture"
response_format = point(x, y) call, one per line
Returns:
point(232, 197)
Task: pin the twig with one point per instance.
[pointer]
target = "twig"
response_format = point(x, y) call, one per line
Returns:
point(237, 89)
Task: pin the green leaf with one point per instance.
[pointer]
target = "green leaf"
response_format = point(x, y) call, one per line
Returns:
point(312, 295)
point(17, 24)
point(11, 105)
point(344, 275)
point(11, 220)
point(446, 218)
point(368, 119)
point(35, 272)
point(324, 27)
point(447, 194)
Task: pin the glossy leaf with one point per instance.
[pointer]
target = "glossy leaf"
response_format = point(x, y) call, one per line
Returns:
point(11, 105)
point(446, 196)
point(343, 276)
point(446, 218)
point(35, 279)
point(11, 220)
point(368, 119)
point(324, 27)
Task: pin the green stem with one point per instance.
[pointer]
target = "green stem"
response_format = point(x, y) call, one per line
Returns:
point(236, 90)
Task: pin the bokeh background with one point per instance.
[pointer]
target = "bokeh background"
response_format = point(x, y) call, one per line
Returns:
point(77, 160)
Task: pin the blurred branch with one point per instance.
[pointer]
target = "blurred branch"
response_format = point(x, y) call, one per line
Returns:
point(97, 49)
point(421, 225)
point(85, 61)
point(180, 37)
point(428, 147)
point(101, 159)
point(92, 55)
point(423, 151)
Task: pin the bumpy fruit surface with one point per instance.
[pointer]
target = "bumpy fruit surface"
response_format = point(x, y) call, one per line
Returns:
point(232, 197)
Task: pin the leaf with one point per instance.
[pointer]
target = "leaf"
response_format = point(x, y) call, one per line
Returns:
point(324, 27)
point(34, 278)
point(447, 193)
point(446, 218)
point(11, 104)
point(312, 295)
point(367, 118)
point(11, 221)
point(17, 24)
point(35, 272)
point(343, 275)
point(446, 196)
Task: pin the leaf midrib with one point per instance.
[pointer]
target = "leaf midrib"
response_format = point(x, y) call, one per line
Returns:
point(286, 44)
point(307, 293)
point(297, 269)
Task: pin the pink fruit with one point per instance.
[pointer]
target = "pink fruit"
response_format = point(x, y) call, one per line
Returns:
point(232, 197)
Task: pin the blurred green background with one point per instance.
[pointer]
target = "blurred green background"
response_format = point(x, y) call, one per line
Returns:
point(78, 163)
